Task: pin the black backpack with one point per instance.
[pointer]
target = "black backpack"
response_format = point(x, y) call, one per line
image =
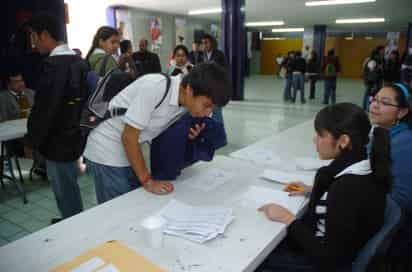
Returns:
point(97, 110)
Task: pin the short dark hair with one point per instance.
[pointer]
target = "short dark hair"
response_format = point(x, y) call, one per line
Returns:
point(13, 73)
point(298, 53)
point(331, 52)
point(180, 47)
point(125, 45)
point(211, 39)
point(210, 80)
point(48, 23)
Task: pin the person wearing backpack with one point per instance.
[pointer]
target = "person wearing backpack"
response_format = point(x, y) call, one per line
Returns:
point(53, 125)
point(153, 103)
point(330, 69)
point(106, 41)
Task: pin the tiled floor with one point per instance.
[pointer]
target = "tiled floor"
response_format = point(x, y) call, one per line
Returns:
point(263, 113)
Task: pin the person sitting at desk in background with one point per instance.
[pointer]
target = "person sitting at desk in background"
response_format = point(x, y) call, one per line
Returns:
point(17, 100)
point(391, 109)
point(333, 230)
point(180, 63)
point(106, 41)
point(113, 148)
point(126, 62)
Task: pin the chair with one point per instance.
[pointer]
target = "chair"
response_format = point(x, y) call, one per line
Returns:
point(378, 245)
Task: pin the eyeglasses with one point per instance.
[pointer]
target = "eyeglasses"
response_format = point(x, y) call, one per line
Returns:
point(379, 101)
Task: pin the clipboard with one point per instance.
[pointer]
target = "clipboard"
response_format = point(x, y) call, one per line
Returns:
point(106, 256)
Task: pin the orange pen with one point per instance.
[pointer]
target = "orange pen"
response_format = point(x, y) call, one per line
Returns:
point(296, 188)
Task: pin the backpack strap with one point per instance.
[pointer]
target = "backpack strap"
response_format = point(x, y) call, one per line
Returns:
point(121, 111)
point(102, 70)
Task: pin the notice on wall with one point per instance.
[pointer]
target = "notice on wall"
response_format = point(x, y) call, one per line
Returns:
point(180, 31)
point(392, 43)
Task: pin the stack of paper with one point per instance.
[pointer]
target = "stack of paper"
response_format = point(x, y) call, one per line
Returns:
point(198, 224)
point(287, 177)
point(258, 196)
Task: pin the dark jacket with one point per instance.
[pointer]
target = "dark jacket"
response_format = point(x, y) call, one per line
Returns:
point(53, 125)
point(334, 61)
point(146, 62)
point(392, 71)
point(287, 64)
point(299, 65)
point(172, 151)
point(195, 57)
point(349, 220)
point(217, 56)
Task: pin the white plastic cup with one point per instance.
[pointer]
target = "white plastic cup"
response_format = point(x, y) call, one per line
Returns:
point(153, 231)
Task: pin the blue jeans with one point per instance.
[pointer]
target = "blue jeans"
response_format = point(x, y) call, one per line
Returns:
point(110, 181)
point(63, 178)
point(330, 91)
point(298, 84)
point(288, 85)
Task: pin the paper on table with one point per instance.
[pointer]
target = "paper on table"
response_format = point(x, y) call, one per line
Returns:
point(285, 177)
point(263, 157)
point(258, 196)
point(310, 163)
point(89, 266)
point(209, 179)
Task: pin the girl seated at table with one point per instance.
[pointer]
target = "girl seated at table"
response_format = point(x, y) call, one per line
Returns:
point(347, 201)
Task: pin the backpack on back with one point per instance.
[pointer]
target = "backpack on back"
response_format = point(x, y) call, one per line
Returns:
point(97, 110)
point(330, 70)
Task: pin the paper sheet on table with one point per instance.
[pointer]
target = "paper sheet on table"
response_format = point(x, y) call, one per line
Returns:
point(260, 156)
point(310, 164)
point(198, 224)
point(209, 179)
point(111, 256)
point(257, 196)
point(286, 177)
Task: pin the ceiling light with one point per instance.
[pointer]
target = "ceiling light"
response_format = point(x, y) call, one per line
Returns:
point(272, 23)
point(336, 2)
point(348, 38)
point(205, 11)
point(368, 38)
point(288, 30)
point(357, 21)
point(274, 38)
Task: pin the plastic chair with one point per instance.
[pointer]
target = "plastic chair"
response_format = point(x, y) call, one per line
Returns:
point(378, 245)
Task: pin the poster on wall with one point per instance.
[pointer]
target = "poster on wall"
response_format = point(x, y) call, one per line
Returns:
point(215, 31)
point(392, 43)
point(156, 32)
point(180, 31)
point(307, 43)
point(123, 20)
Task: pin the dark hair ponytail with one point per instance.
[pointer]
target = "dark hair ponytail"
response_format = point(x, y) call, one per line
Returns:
point(104, 33)
point(380, 157)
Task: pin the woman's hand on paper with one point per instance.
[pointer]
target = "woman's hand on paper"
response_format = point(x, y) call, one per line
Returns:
point(277, 213)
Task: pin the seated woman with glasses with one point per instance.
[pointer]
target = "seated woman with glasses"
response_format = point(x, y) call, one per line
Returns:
point(391, 109)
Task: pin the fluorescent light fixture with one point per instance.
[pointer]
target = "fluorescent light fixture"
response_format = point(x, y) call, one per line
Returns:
point(278, 30)
point(274, 38)
point(272, 23)
point(368, 38)
point(359, 21)
point(336, 2)
point(205, 11)
point(348, 38)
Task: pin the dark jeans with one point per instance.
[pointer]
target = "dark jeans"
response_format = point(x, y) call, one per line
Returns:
point(63, 178)
point(312, 87)
point(298, 84)
point(330, 91)
point(286, 258)
point(288, 86)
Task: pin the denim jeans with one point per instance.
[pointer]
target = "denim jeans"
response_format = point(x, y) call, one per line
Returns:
point(110, 181)
point(288, 86)
point(63, 178)
point(330, 91)
point(298, 84)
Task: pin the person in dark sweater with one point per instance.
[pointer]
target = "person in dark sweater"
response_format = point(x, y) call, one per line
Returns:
point(287, 65)
point(146, 62)
point(53, 126)
point(392, 68)
point(330, 68)
point(338, 221)
point(312, 72)
point(298, 77)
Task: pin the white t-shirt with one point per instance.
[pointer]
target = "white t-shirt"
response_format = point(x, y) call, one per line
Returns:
point(104, 144)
